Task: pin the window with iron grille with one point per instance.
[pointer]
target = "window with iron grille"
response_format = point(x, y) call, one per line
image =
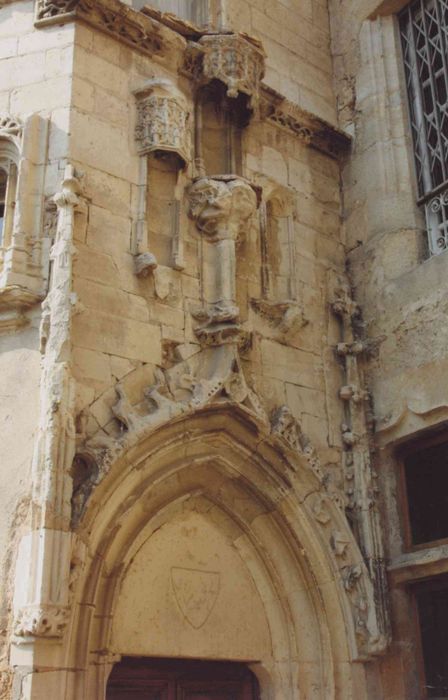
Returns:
point(196, 11)
point(424, 38)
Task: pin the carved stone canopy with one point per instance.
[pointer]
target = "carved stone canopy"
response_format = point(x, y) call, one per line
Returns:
point(163, 120)
point(235, 59)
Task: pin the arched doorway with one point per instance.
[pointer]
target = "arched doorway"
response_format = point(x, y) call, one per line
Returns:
point(179, 679)
point(208, 539)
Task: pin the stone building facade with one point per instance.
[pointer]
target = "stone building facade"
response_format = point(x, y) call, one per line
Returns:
point(222, 350)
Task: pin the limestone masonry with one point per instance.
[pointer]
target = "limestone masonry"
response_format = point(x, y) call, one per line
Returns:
point(221, 333)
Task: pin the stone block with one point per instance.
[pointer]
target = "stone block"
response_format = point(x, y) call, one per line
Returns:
point(41, 96)
point(114, 335)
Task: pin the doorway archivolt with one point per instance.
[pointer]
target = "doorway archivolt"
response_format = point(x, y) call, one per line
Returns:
point(207, 539)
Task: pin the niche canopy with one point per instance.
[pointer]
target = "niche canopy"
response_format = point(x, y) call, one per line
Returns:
point(162, 120)
point(236, 60)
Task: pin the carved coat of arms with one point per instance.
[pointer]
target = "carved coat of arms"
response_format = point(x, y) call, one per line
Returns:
point(196, 593)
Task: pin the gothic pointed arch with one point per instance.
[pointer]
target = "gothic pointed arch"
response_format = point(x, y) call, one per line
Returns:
point(257, 484)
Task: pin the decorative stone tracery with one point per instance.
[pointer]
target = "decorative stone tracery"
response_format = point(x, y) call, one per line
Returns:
point(234, 59)
point(162, 120)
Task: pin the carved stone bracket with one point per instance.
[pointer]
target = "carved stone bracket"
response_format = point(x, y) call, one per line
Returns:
point(113, 17)
point(235, 59)
point(285, 317)
point(162, 120)
point(41, 621)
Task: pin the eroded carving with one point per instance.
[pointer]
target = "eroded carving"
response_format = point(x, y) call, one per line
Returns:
point(356, 430)
point(41, 621)
point(196, 593)
point(221, 207)
point(213, 374)
point(286, 426)
point(234, 59)
point(162, 120)
point(287, 318)
point(11, 126)
point(309, 129)
point(115, 18)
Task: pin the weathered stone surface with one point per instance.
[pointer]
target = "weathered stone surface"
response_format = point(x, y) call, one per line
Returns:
point(191, 380)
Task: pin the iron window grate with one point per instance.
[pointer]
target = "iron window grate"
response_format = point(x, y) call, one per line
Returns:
point(424, 38)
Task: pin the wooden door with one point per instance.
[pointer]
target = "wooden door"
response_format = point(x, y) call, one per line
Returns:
point(173, 679)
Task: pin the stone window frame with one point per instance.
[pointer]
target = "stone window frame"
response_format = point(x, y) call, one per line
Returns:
point(9, 162)
point(410, 446)
point(426, 124)
point(25, 254)
point(205, 16)
point(417, 562)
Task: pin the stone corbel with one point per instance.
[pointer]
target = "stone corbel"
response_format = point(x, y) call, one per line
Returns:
point(236, 60)
point(221, 207)
point(25, 256)
point(287, 318)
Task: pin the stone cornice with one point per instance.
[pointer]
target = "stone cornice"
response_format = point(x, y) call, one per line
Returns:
point(110, 16)
point(308, 127)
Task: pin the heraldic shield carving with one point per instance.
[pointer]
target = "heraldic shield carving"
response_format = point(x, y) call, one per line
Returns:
point(196, 593)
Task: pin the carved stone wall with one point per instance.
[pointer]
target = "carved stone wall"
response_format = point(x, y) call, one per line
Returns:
point(187, 393)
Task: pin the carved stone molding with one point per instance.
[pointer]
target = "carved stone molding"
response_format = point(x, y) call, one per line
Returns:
point(215, 377)
point(287, 318)
point(41, 621)
point(236, 60)
point(357, 438)
point(111, 16)
point(162, 120)
point(311, 130)
point(287, 427)
point(222, 208)
point(11, 126)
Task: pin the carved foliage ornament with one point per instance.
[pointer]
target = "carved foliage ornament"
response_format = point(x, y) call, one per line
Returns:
point(130, 26)
point(10, 127)
point(41, 621)
point(235, 60)
point(162, 120)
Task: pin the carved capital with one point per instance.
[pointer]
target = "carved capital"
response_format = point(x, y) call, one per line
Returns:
point(234, 59)
point(222, 206)
point(162, 120)
point(41, 621)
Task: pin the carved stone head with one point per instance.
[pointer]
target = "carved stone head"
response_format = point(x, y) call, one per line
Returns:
point(221, 207)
